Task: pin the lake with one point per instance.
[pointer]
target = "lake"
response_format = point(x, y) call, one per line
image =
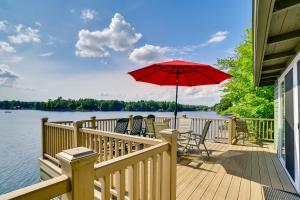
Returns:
point(20, 141)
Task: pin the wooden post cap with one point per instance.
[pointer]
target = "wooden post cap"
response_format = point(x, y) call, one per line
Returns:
point(44, 119)
point(76, 154)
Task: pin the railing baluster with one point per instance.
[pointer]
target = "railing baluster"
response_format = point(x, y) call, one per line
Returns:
point(101, 149)
point(146, 179)
point(105, 149)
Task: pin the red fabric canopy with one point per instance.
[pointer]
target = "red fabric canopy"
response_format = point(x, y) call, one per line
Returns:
point(187, 74)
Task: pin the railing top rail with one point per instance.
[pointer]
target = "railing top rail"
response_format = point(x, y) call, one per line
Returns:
point(61, 122)
point(109, 166)
point(137, 139)
point(256, 119)
point(43, 190)
point(198, 118)
point(104, 119)
point(59, 125)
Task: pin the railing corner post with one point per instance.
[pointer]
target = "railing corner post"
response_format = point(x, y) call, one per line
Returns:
point(93, 122)
point(169, 161)
point(76, 136)
point(43, 132)
point(78, 165)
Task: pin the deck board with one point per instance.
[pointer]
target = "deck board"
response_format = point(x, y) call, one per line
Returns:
point(232, 172)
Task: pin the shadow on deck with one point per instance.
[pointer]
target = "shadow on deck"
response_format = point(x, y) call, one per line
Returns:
point(233, 172)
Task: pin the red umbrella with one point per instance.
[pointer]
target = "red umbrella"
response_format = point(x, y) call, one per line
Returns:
point(179, 73)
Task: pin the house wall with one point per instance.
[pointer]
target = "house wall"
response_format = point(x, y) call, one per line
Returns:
point(276, 108)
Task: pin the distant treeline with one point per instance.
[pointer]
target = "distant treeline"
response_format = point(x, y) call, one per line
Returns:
point(61, 104)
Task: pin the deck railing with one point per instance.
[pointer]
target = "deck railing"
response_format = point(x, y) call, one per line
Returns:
point(122, 166)
point(150, 173)
point(125, 166)
point(260, 129)
point(44, 190)
point(218, 128)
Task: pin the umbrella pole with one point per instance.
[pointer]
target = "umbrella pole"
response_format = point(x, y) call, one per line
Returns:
point(175, 113)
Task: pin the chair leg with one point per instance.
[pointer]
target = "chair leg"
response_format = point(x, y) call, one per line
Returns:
point(206, 150)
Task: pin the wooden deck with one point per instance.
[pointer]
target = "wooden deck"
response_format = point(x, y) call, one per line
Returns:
point(233, 172)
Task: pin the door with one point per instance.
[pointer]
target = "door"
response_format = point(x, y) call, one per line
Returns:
point(286, 123)
point(288, 127)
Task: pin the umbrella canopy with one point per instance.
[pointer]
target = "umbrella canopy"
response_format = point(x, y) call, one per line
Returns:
point(179, 73)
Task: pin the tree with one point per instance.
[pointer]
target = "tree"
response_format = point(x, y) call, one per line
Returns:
point(241, 97)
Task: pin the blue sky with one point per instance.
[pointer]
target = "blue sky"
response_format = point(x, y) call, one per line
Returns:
point(83, 49)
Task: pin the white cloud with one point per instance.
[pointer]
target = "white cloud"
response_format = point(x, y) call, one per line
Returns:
point(217, 37)
point(3, 25)
point(7, 77)
point(119, 36)
point(202, 91)
point(148, 54)
point(38, 24)
point(6, 48)
point(88, 14)
point(25, 35)
point(46, 54)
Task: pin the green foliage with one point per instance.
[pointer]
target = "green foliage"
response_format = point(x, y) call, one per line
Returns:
point(61, 104)
point(241, 97)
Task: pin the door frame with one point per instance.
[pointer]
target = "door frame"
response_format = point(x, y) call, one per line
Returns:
point(292, 66)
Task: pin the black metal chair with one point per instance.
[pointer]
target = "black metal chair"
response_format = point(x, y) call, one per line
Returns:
point(121, 125)
point(137, 126)
point(195, 140)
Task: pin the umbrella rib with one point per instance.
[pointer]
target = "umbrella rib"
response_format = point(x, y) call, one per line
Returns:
point(204, 75)
point(165, 79)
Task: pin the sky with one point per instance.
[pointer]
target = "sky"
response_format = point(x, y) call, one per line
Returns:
point(84, 49)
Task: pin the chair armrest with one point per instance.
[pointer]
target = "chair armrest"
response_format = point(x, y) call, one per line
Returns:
point(184, 132)
point(196, 135)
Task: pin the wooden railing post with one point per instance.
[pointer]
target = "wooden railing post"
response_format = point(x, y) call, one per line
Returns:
point(77, 142)
point(230, 129)
point(43, 133)
point(169, 160)
point(78, 165)
point(93, 122)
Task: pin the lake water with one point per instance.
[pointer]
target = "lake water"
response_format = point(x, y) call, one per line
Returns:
point(20, 141)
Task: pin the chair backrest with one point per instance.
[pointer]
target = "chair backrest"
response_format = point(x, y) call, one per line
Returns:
point(149, 125)
point(121, 125)
point(185, 125)
point(159, 126)
point(151, 117)
point(137, 125)
point(205, 131)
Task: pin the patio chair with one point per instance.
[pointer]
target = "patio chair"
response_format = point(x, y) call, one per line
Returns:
point(159, 126)
point(121, 125)
point(185, 131)
point(137, 126)
point(196, 140)
point(242, 131)
point(149, 122)
point(151, 117)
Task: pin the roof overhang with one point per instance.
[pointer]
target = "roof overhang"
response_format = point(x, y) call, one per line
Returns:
point(276, 38)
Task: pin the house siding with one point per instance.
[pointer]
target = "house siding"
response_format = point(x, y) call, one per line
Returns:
point(276, 108)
